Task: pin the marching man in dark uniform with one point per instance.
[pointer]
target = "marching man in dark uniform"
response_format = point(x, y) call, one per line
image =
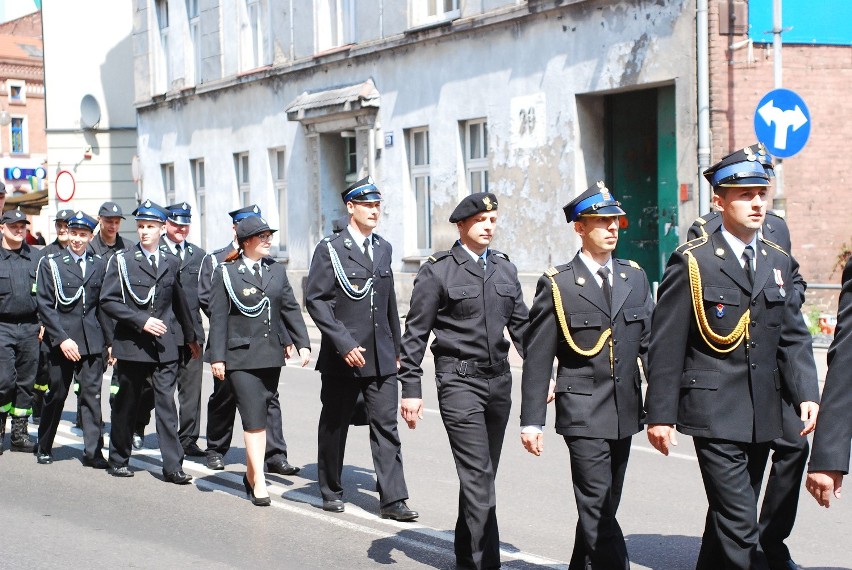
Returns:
point(726, 320)
point(833, 435)
point(76, 332)
point(60, 223)
point(467, 295)
point(593, 315)
point(790, 451)
point(142, 294)
point(189, 256)
point(352, 300)
point(19, 328)
point(222, 404)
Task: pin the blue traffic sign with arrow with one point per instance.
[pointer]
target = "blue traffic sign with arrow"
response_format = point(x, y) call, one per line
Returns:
point(782, 122)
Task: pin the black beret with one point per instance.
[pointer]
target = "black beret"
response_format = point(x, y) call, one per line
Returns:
point(474, 204)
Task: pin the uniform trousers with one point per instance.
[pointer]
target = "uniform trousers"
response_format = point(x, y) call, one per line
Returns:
point(253, 390)
point(132, 377)
point(732, 473)
point(597, 473)
point(221, 414)
point(338, 395)
point(18, 362)
point(475, 412)
point(781, 498)
point(89, 372)
point(189, 400)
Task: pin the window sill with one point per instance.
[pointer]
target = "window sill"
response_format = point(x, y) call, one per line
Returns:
point(432, 23)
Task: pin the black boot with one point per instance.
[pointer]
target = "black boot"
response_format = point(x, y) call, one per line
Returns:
point(20, 438)
point(2, 430)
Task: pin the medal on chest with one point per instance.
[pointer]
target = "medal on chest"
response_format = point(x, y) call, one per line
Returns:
point(720, 311)
point(780, 281)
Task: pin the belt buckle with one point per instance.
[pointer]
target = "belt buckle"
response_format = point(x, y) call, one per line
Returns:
point(462, 368)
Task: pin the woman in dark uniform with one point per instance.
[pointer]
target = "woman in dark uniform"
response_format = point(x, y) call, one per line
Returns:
point(255, 322)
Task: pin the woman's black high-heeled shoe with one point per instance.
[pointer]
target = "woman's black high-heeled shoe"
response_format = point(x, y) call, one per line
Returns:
point(257, 501)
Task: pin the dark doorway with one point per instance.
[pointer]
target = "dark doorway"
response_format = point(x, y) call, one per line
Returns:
point(641, 170)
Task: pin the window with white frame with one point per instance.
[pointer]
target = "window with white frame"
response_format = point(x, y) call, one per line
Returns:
point(430, 11)
point(241, 168)
point(278, 170)
point(476, 155)
point(200, 186)
point(168, 171)
point(162, 69)
point(194, 17)
point(17, 90)
point(335, 23)
point(19, 135)
point(255, 41)
point(418, 160)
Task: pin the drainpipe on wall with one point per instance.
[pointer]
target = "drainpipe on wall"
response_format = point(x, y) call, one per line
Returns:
point(703, 80)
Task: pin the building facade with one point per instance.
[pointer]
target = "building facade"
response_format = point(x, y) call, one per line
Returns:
point(91, 120)
point(283, 103)
point(23, 147)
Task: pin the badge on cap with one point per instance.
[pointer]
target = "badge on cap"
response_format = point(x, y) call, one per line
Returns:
point(256, 210)
point(185, 206)
point(147, 203)
point(488, 204)
point(720, 310)
point(115, 208)
point(80, 215)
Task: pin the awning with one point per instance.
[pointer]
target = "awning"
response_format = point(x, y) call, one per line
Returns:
point(29, 203)
point(312, 106)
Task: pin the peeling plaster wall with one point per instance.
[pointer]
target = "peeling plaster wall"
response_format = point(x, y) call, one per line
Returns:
point(558, 63)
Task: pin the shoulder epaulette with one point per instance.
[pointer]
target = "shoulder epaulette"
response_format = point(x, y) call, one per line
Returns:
point(439, 255)
point(692, 243)
point(629, 262)
point(551, 271)
point(500, 254)
point(332, 237)
point(52, 255)
point(774, 214)
point(774, 245)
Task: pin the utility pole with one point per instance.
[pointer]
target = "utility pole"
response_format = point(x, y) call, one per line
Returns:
point(780, 201)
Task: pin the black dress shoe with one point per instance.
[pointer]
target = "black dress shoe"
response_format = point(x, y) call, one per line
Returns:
point(43, 458)
point(215, 462)
point(192, 450)
point(333, 506)
point(399, 511)
point(122, 471)
point(138, 442)
point(261, 501)
point(96, 462)
point(281, 467)
point(178, 477)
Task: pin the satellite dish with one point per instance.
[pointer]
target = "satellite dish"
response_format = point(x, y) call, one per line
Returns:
point(90, 112)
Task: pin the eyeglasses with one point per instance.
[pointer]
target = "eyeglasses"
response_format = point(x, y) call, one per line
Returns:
point(264, 237)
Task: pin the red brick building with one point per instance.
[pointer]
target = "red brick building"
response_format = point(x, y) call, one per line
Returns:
point(816, 180)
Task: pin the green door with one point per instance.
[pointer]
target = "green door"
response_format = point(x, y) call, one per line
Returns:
point(641, 171)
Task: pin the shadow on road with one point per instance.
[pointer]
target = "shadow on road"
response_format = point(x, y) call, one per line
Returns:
point(663, 552)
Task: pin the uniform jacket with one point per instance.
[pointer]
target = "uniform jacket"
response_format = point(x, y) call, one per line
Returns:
point(169, 305)
point(52, 248)
point(734, 396)
point(466, 310)
point(205, 275)
point(82, 321)
point(98, 246)
point(246, 343)
point(372, 322)
point(774, 229)
point(190, 267)
point(18, 283)
point(831, 448)
point(593, 397)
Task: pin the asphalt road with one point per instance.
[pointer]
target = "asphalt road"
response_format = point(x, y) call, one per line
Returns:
point(67, 516)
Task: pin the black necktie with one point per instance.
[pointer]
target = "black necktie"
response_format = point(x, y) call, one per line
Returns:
point(179, 250)
point(481, 262)
point(153, 259)
point(256, 269)
point(748, 256)
point(367, 248)
point(605, 286)
point(80, 265)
